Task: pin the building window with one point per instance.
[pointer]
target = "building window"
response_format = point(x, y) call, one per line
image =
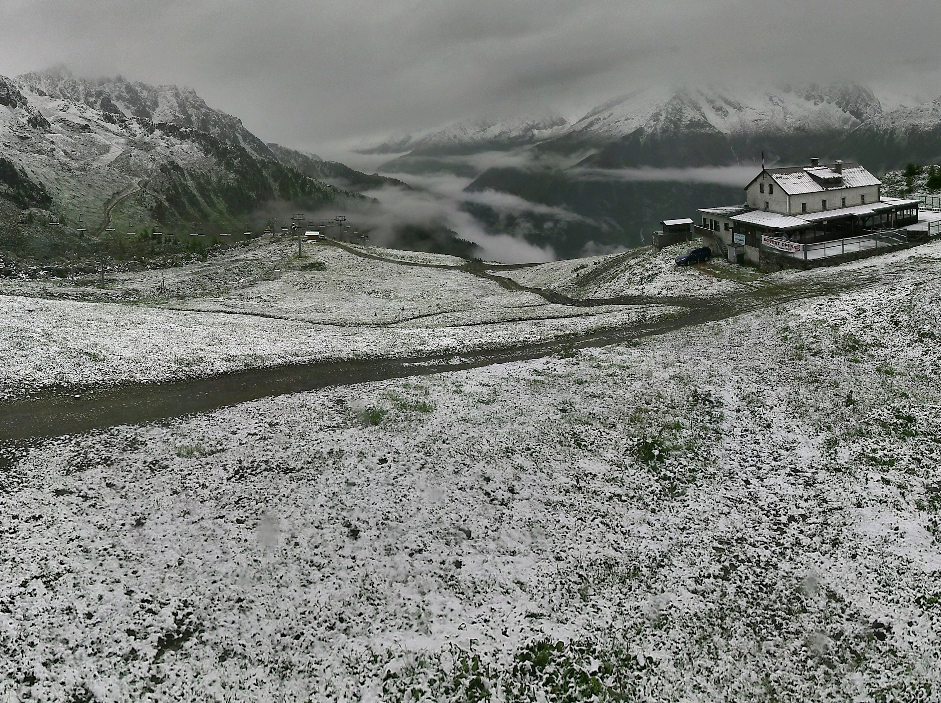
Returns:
point(862, 198)
point(803, 207)
point(771, 189)
point(705, 223)
point(761, 187)
point(823, 204)
point(843, 202)
point(726, 226)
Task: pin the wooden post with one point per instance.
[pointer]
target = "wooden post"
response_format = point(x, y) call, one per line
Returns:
point(101, 265)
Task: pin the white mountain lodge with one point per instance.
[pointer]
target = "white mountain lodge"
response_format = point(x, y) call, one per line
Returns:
point(805, 205)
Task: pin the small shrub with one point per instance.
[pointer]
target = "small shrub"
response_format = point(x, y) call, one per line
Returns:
point(934, 178)
point(191, 451)
point(373, 415)
point(651, 450)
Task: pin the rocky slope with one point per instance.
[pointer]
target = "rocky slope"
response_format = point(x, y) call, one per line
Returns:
point(175, 160)
point(908, 134)
point(140, 158)
point(333, 172)
point(167, 104)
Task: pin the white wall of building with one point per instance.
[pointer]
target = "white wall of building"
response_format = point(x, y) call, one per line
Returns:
point(834, 199)
point(779, 201)
point(773, 194)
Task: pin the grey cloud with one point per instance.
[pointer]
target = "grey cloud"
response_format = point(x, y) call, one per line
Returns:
point(306, 73)
point(725, 175)
point(443, 206)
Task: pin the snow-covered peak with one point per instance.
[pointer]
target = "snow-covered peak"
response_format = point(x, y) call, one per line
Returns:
point(660, 110)
point(168, 104)
point(923, 117)
point(474, 135)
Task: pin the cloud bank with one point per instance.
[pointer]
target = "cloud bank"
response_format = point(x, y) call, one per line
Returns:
point(306, 73)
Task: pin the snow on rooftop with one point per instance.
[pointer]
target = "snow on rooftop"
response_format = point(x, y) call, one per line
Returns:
point(770, 219)
point(857, 177)
point(725, 211)
point(899, 201)
point(799, 181)
point(683, 221)
point(824, 173)
point(858, 210)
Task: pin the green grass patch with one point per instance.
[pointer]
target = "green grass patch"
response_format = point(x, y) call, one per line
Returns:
point(373, 416)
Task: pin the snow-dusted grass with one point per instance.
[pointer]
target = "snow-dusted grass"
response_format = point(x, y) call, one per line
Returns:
point(748, 510)
point(417, 257)
point(50, 342)
point(637, 272)
point(335, 287)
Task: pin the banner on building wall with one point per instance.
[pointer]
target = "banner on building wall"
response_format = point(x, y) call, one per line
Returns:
point(782, 244)
point(738, 237)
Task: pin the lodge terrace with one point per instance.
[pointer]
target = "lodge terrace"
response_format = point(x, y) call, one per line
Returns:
point(809, 212)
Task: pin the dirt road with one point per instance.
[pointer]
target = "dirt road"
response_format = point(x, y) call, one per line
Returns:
point(69, 410)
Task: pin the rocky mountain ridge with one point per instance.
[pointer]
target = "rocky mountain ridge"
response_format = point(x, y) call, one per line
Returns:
point(80, 156)
point(703, 126)
point(667, 127)
point(473, 136)
point(167, 104)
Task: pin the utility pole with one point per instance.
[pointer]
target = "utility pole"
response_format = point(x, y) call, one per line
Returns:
point(101, 267)
point(340, 219)
point(298, 218)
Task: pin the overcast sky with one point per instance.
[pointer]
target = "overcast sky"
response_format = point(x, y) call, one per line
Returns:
point(307, 73)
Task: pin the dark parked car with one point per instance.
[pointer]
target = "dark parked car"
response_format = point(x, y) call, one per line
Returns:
point(694, 256)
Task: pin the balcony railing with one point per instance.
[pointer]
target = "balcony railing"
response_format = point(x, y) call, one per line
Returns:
point(836, 247)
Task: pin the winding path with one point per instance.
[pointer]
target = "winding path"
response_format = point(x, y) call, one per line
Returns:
point(116, 200)
point(70, 410)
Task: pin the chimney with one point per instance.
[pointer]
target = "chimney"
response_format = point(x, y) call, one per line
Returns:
point(838, 166)
point(814, 163)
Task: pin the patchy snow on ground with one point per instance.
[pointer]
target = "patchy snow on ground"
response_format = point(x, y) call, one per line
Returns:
point(416, 257)
point(746, 510)
point(336, 287)
point(49, 342)
point(639, 272)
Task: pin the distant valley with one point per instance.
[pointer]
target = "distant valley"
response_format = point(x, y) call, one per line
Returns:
point(603, 168)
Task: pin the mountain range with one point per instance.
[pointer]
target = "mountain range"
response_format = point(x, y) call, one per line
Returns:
point(144, 156)
point(704, 126)
point(580, 167)
point(91, 153)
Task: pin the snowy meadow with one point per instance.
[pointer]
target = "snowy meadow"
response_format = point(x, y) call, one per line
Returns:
point(745, 509)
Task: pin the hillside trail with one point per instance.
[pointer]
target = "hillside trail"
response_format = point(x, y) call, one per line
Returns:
point(485, 271)
point(116, 200)
point(69, 410)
